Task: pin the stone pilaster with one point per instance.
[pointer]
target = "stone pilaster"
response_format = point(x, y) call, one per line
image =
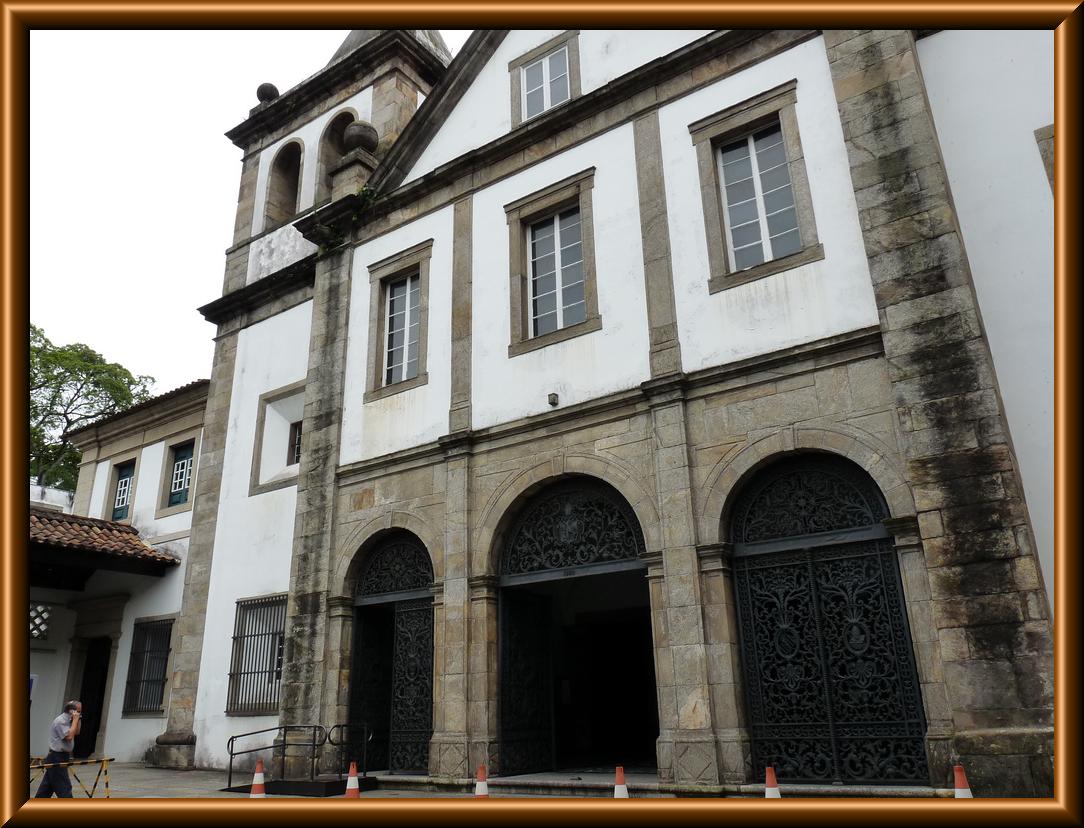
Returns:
point(395, 98)
point(175, 748)
point(307, 635)
point(686, 749)
point(459, 415)
point(987, 600)
point(665, 353)
point(482, 665)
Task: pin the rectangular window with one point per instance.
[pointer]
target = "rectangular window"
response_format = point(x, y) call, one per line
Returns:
point(759, 213)
point(147, 668)
point(402, 326)
point(256, 662)
point(181, 475)
point(545, 83)
point(557, 283)
point(122, 496)
point(293, 449)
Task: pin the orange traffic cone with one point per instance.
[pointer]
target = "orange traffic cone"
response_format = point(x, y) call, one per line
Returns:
point(352, 791)
point(963, 790)
point(771, 787)
point(481, 786)
point(621, 790)
point(257, 789)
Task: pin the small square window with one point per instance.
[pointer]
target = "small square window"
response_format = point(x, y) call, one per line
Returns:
point(276, 450)
point(758, 213)
point(552, 268)
point(545, 77)
point(124, 475)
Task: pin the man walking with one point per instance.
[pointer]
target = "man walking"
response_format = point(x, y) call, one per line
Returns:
point(62, 735)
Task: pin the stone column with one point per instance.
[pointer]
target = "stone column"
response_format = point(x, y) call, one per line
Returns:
point(175, 748)
point(305, 663)
point(340, 648)
point(448, 751)
point(482, 663)
point(987, 600)
point(686, 749)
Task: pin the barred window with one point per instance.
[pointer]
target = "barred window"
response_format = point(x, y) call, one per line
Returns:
point(146, 685)
point(39, 621)
point(123, 496)
point(256, 664)
point(181, 477)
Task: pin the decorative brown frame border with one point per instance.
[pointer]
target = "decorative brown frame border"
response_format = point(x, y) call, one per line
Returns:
point(16, 18)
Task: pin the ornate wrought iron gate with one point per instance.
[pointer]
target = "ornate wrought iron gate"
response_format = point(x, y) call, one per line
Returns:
point(526, 685)
point(392, 674)
point(829, 671)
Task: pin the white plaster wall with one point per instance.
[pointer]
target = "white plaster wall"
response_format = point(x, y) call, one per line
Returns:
point(278, 249)
point(309, 134)
point(254, 535)
point(484, 113)
point(419, 415)
point(276, 436)
point(586, 366)
point(49, 660)
point(800, 305)
point(98, 490)
point(51, 496)
point(990, 91)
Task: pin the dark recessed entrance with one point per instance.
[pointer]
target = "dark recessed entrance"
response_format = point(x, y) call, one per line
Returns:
point(577, 660)
point(92, 695)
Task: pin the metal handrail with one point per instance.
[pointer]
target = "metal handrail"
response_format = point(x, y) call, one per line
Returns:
point(319, 737)
point(366, 737)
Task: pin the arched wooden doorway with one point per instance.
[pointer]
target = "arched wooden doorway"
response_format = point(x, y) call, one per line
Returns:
point(391, 686)
point(829, 673)
point(577, 680)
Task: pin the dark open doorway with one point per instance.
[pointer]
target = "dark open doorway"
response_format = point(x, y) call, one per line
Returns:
point(578, 673)
point(92, 695)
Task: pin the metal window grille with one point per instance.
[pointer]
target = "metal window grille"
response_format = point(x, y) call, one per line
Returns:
point(146, 684)
point(123, 496)
point(256, 664)
point(39, 621)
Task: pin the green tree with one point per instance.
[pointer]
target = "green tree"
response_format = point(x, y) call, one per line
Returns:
point(71, 386)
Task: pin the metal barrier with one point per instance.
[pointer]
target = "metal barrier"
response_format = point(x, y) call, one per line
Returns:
point(343, 733)
point(318, 736)
point(102, 775)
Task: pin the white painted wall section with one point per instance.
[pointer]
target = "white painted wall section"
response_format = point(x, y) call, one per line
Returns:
point(278, 249)
point(807, 303)
point(420, 414)
point(484, 113)
point(588, 366)
point(990, 91)
point(309, 134)
point(254, 535)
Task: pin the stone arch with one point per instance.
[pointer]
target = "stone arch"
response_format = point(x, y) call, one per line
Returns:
point(727, 477)
point(500, 510)
point(284, 184)
point(362, 539)
point(331, 150)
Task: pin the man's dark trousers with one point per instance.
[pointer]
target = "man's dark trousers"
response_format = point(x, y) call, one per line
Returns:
point(56, 780)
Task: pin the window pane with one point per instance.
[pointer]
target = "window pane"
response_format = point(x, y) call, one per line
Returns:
point(558, 63)
point(782, 222)
point(767, 137)
point(781, 199)
point(544, 284)
point(544, 266)
point(535, 103)
point(412, 351)
point(786, 244)
point(544, 304)
point(737, 193)
point(545, 324)
point(411, 369)
point(732, 152)
point(541, 239)
point(743, 213)
point(396, 299)
point(572, 294)
point(746, 234)
point(532, 76)
point(571, 254)
point(748, 257)
point(571, 274)
point(570, 226)
point(575, 314)
point(771, 157)
point(738, 170)
point(396, 339)
point(772, 179)
point(558, 90)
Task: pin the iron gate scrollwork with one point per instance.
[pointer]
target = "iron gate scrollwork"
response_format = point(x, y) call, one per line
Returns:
point(830, 680)
point(412, 686)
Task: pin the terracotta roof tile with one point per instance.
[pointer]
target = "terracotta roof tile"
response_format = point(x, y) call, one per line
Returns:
point(105, 536)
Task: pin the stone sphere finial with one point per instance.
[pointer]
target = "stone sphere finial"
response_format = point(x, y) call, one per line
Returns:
point(360, 134)
point(266, 92)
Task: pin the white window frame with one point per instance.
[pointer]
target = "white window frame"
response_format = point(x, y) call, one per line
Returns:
point(547, 103)
point(182, 475)
point(559, 286)
point(398, 371)
point(758, 196)
point(123, 496)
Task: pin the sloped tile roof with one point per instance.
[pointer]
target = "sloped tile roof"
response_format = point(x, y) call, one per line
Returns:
point(161, 398)
point(91, 535)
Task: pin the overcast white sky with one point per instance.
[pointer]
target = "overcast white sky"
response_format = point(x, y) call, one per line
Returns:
point(133, 185)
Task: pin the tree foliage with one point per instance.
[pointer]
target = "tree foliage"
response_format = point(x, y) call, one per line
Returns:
point(71, 386)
